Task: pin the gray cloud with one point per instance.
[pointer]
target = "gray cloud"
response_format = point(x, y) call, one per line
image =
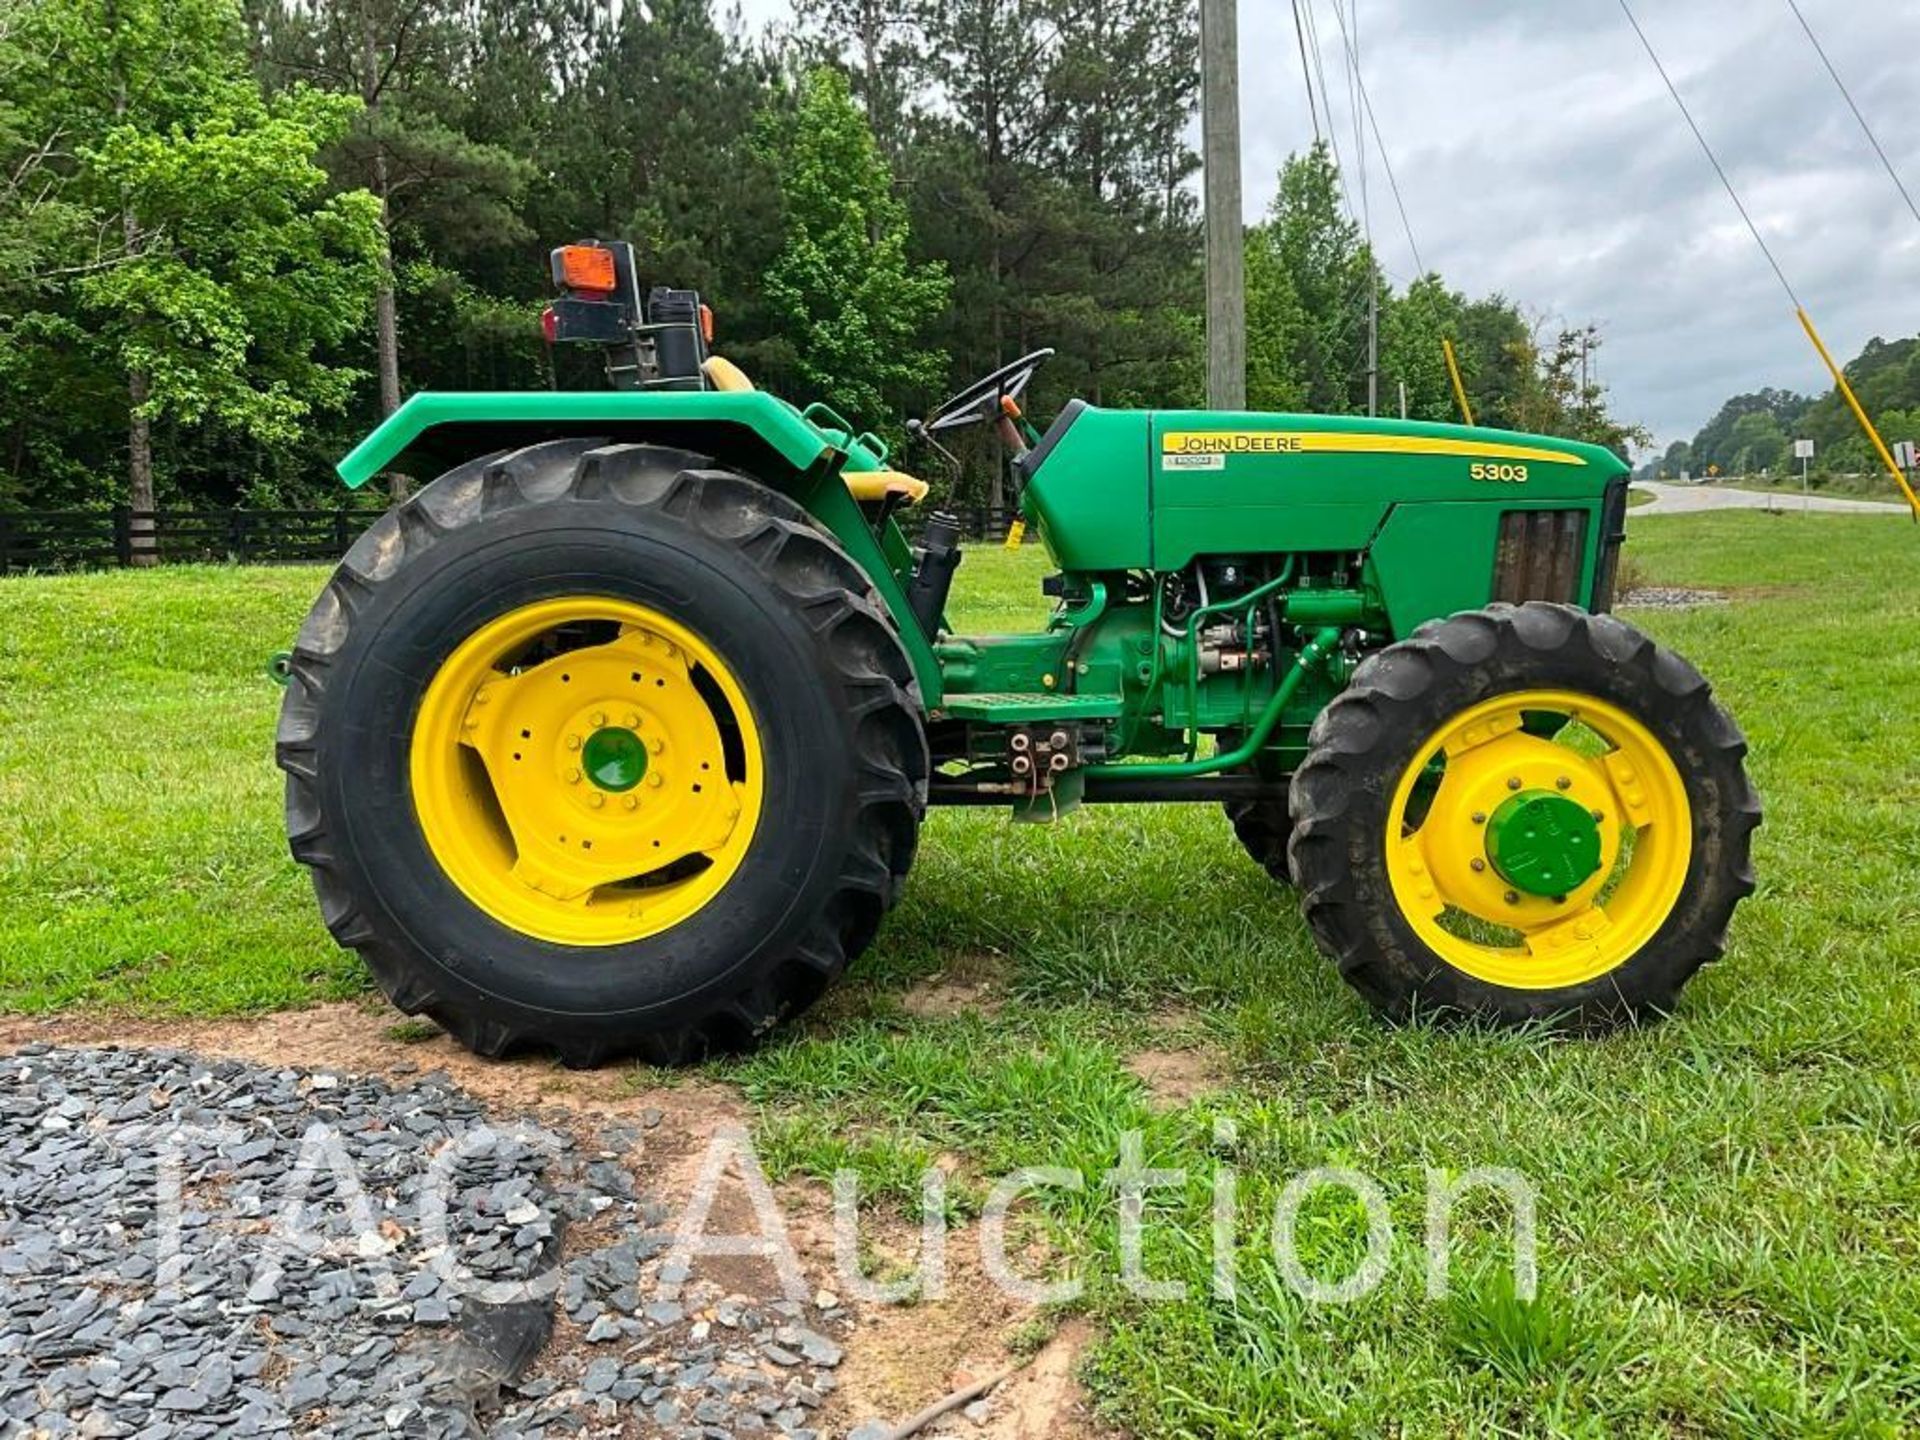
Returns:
point(1539, 156)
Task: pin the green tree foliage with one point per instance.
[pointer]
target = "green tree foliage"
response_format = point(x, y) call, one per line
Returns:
point(410, 63)
point(215, 270)
point(1413, 329)
point(1753, 432)
point(842, 288)
point(1310, 247)
point(1759, 444)
point(1719, 442)
point(189, 276)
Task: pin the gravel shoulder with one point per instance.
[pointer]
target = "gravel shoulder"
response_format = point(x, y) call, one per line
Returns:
point(205, 1233)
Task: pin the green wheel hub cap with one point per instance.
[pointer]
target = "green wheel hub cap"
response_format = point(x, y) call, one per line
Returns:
point(614, 759)
point(1543, 843)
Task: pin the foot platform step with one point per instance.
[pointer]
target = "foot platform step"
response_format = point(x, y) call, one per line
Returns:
point(1016, 708)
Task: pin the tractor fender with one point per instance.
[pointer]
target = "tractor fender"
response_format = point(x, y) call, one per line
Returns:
point(442, 428)
point(750, 431)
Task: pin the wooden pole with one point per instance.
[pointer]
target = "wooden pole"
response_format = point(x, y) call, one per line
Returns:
point(1226, 238)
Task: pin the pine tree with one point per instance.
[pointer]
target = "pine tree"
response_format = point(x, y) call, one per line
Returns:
point(842, 287)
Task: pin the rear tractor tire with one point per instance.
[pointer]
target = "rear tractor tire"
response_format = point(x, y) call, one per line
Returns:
point(599, 749)
point(1263, 828)
point(1525, 813)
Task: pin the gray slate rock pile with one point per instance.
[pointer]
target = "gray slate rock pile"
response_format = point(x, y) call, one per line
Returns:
point(195, 1248)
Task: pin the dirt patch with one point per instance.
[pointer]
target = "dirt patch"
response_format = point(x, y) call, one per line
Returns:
point(1175, 1077)
point(1045, 1401)
point(903, 1358)
point(972, 985)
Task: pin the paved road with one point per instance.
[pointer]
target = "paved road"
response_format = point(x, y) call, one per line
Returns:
point(1690, 499)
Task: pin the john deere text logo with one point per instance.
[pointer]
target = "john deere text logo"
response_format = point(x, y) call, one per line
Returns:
point(1231, 442)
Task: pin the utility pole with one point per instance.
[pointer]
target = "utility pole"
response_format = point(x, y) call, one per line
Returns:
point(1226, 238)
point(1356, 98)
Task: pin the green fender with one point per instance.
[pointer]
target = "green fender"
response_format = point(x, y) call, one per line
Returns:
point(801, 454)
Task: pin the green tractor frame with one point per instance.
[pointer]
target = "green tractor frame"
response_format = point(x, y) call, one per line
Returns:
point(617, 737)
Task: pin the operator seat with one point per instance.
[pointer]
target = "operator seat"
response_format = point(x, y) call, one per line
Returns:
point(869, 487)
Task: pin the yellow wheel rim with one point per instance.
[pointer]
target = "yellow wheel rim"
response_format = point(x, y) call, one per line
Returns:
point(587, 771)
point(1452, 892)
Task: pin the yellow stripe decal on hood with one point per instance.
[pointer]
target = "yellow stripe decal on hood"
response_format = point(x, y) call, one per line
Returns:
point(1342, 442)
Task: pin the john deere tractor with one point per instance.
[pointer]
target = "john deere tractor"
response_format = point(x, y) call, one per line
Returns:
point(617, 738)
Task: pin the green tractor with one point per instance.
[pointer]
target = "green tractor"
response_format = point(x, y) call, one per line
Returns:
point(617, 737)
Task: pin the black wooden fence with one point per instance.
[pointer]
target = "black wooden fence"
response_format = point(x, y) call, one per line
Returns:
point(92, 539)
point(77, 539)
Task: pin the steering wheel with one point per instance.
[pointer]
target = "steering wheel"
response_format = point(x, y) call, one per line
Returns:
point(980, 401)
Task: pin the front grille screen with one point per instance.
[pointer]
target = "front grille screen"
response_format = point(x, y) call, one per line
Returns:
point(1540, 555)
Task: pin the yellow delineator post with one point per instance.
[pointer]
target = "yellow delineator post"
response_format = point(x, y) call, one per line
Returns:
point(1453, 373)
point(1859, 412)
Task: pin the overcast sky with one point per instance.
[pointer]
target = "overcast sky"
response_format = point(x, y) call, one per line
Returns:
point(1539, 155)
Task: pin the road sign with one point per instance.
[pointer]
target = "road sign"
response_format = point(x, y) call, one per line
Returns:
point(1906, 455)
point(1803, 449)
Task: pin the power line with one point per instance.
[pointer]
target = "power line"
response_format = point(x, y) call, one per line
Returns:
point(1353, 107)
point(1306, 73)
point(1840, 382)
point(1712, 159)
point(1386, 160)
point(1872, 139)
point(1326, 98)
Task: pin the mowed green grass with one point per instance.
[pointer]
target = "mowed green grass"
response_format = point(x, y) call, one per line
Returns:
point(1729, 1203)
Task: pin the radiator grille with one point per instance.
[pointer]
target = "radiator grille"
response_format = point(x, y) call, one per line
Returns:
point(1540, 555)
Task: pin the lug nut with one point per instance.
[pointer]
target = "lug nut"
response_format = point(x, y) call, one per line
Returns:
point(1478, 865)
point(656, 745)
point(1564, 783)
point(1479, 817)
point(1514, 783)
point(631, 720)
point(596, 800)
point(656, 779)
point(573, 742)
point(632, 802)
point(573, 777)
point(597, 719)
point(1599, 815)
point(1513, 897)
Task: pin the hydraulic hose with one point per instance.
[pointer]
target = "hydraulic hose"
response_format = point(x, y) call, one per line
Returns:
point(1311, 654)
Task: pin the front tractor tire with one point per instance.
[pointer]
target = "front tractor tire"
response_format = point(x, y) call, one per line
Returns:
point(1524, 813)
point(599, 749)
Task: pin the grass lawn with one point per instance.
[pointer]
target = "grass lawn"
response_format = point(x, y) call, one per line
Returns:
point(1729, 1203)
